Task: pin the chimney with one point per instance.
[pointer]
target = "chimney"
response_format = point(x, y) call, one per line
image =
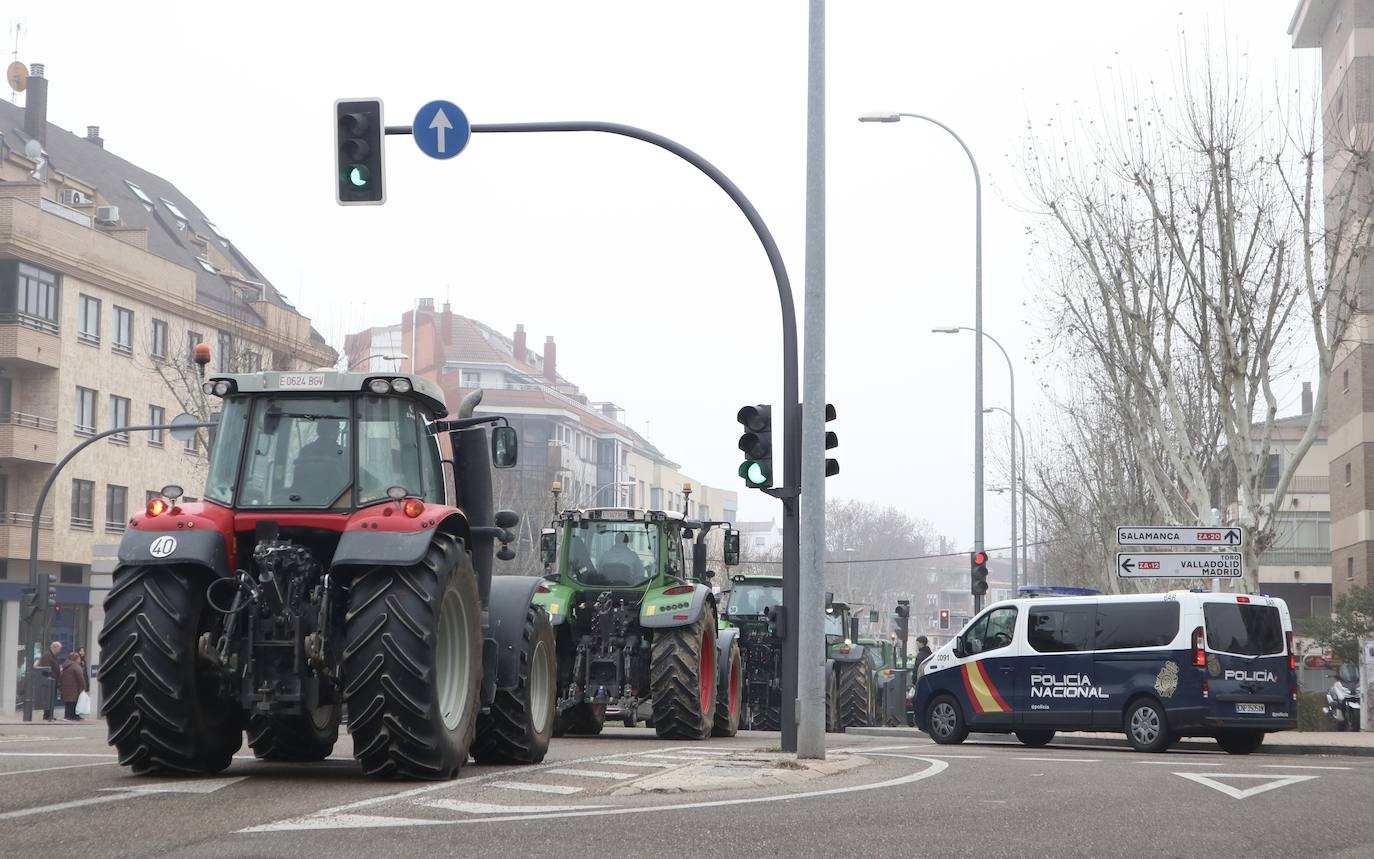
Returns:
point(1307, 398)
point(446, 326)
point(36, 105)
point(93, 135)
point(550, 360)
point(521, 351)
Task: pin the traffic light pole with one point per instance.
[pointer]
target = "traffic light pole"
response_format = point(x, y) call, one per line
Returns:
point(791, 410)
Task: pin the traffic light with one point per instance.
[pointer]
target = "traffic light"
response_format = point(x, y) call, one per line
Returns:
point(944, 618)
point(777, 620)
point(832, 441)
point(757, 445)
point(28, 604)
point(359, 133)
point(979, 583)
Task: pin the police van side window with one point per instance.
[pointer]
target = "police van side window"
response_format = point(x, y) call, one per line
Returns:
point(1140, 624)
point(1059, 629)
point(992, 631)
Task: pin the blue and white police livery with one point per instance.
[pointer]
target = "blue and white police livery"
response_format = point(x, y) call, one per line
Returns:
point(1153, 666)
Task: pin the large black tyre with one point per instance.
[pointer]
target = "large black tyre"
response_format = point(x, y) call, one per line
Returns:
point(856, 694)
point(167, 713)
point(945, 721)
point(730, 697)
point(682, 679)
point(309, 737)
point(580, 719)
point(1146, 727)
point(1240, 741)
point(767, 718)
point(413, 664)
point(1035, 739)
point(833, 724)
point(518, 727)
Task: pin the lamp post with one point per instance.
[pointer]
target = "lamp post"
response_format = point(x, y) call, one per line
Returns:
point(977, 322)
point(1025, 559)
point(1011, 374)
point(592, 496)
point(396, 357)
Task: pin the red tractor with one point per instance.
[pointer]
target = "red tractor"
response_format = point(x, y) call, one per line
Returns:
point(334, 564)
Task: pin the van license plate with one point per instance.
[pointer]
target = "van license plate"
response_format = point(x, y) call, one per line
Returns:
point(1254, 709)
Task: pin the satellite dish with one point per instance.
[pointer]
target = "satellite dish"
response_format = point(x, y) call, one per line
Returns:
point(33, 150)
point(18, 76)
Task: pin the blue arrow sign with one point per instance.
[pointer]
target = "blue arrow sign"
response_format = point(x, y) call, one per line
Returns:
point(441, 129)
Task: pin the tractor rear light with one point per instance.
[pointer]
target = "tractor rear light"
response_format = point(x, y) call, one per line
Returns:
point(413, 507)
point(400, 386)
point(1199, 648)
point(887, 672)
point(542, 589)
point(156, 506)
point(1292, 657)
point(379, 386)
point(679, 589)
point(844, 648)
point(679, 617)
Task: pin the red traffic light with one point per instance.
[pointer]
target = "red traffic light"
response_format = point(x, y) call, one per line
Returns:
point(980, 558)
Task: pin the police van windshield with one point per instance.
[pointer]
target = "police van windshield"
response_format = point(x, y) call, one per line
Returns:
point(620, 554)
point(1246, 630)
point(753, 599)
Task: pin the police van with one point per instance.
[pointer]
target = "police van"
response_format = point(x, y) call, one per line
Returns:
point(1154, 666)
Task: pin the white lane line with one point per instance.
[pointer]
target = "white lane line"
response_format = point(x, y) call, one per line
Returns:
point(941, 756)
point(105, 755)
point(1177, 764)
point(63, 806)
point(561, 789)
point(493, 808)
point(606, 774)
point(1299, 767)
point(133, 792)
point(702, 752)
point(1064, 760)
point(51, 769)
point(653, 764)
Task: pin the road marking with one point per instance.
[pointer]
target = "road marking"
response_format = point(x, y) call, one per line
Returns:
point(703, 752)
point(1299, 767)
point(1239, 793)
point(941, 755)
point(492, 808)
point(536, 788)
point(606, 774)
point(64, 767)
point(121, 793)
point(1177, 764)
point(105, 755)
point(1065, 760)
point(654, 764)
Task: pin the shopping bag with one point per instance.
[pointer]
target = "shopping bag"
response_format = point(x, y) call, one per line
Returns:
point(83, 704)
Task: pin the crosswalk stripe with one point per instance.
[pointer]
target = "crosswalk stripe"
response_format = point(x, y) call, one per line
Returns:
point(493, 808)
point(654, 764)
point(606, 774)
point(535, 788)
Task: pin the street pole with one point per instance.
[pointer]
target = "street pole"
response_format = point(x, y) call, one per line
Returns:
point(1016, 425)
point(810, 603)
point(977, 324)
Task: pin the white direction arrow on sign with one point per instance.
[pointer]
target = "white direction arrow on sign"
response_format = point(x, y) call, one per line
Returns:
point(1271, 782)
point(1169, 535)
point(440, 124)
point(1179, 565)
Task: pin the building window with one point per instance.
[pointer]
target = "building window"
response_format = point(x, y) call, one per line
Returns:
point(190, 445)
point(88, 320)
point(472, 379)
point(4, 493)
point(32, 298)
point(159, 339)
point(1350, 569)
point(193, 339)
point(1321, 607)
point(6, 399)
point(70, 574)
point(123, 340)
point(116, 507)
point(119, 417)
point(1347, 474)
point(226, 352)
point(252, 362)
point(156, 415)
point(82, 516)
point(85, 411)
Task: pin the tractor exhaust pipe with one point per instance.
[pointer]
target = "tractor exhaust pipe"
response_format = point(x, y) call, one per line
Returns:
point(472, 482)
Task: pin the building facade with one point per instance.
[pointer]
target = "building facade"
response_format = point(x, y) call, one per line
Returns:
point(108, 277)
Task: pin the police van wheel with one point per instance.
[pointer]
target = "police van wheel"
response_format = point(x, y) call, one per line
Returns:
point(945, 721)
point(1035, 739)
point(1147, 729)
point(1240, 741)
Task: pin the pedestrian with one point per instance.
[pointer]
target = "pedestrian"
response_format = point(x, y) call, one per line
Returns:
point(923, 650)
point(73, 684)
point(52, 660)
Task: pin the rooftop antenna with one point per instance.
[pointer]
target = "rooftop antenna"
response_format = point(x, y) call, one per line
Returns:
point(17, 74)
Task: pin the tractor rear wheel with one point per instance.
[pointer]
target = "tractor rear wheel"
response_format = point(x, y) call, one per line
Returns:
point(856, 694)
point(517, 729)
point(168, 714)
point(682, 679)
point(309, 737)
point(413, 664)
point(580, 719)
point(730, 698)
point(768, 717)
point(832, 704)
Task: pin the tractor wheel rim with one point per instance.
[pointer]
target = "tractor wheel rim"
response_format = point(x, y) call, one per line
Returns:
point(706, 681)
point(452, 667)
point(1145, 725)
point(734, 687)
point(540, 679)
point(942, 719)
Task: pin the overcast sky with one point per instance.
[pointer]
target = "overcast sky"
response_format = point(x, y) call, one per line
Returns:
point(654, 286)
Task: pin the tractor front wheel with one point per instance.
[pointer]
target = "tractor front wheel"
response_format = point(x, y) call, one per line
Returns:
point(682, 678)
point(730, 697)
point(413, 664)
point(517, 729)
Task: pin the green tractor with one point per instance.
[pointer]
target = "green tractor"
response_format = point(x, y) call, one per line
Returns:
point(850, 671)
point(886, 665)
point(636, 630)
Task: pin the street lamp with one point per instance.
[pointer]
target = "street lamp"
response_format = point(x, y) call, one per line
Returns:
point(396, 357)
point(1025, 516)
point(977, 322)
point(1011, 373)
point(597, 491)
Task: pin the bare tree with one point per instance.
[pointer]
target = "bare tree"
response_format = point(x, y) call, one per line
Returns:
point(1192, 262)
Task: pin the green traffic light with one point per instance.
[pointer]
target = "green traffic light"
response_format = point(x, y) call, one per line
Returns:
point(754, 473)
point(358, 176)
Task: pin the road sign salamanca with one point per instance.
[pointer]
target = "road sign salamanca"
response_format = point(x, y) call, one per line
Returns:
point(1168, 535)
point(1179, 565)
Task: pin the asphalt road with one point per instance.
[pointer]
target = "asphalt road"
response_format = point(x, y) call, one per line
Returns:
point(61, 794)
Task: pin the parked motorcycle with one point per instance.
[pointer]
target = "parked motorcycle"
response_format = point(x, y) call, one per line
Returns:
point(1343, 698)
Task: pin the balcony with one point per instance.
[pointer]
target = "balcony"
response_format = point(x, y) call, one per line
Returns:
point(28, 340)
point(28, 438)
point(1295, 557)
point(16, 532)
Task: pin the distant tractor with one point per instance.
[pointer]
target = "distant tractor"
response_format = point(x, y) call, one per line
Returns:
point(636, 631)
point(890, 682)
point(331, 564)
point(851, 672)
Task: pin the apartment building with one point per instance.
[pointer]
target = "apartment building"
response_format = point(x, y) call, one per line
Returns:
point(108, 276)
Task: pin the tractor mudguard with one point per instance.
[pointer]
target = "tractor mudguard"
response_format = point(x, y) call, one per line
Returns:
point(662, 610)
point(193, 548)
point(556, 599)
point(856, 652)
point(382, 548)
point(511, 597)
point(724, 638)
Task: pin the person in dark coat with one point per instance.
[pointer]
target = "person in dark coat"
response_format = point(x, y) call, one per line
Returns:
point(922, 652)
point(52, 660)
point(73, 684)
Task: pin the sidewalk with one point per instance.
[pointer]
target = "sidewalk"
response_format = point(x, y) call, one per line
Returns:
point(1357, 743)
point(9, 719)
